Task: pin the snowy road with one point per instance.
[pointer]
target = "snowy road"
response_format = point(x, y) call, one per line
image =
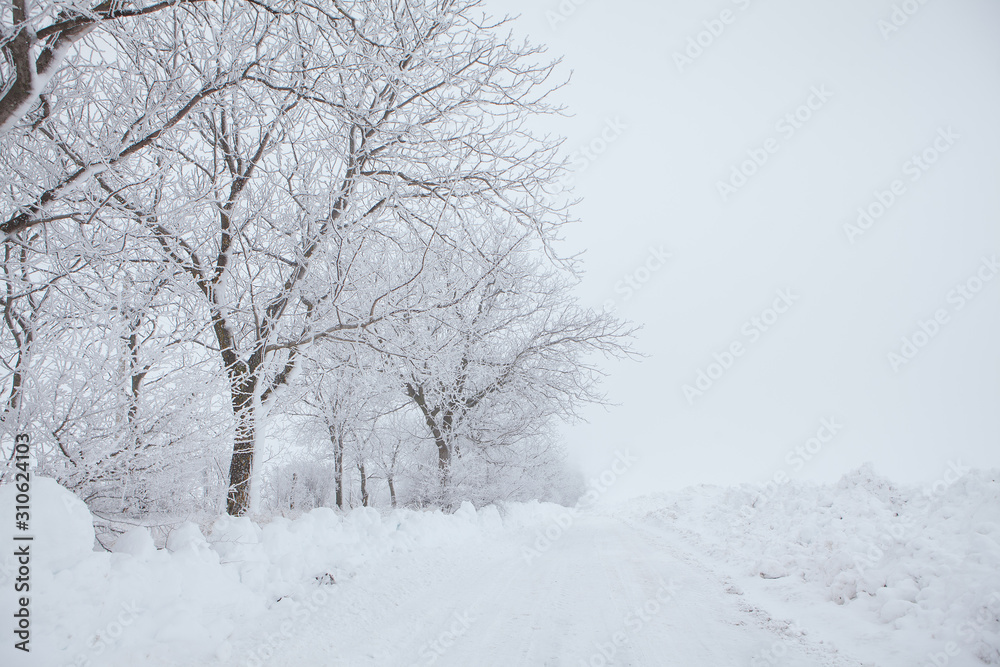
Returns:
point(604, 593)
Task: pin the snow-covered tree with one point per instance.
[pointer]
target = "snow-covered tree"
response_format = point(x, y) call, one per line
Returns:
point(125, 410)
point(343, 402)
point(39, 37)
point(234, 185)
point(489, 375)
point(320, 193)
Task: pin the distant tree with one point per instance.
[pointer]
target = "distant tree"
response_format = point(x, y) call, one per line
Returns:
point(489, 375)
point(341, 402)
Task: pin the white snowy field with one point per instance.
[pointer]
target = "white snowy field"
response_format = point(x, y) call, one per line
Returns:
point(857, 573)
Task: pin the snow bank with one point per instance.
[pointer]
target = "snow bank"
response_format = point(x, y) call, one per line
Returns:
point(64, 532)
point(915, 563)
point(180, 605)
point(921, 559)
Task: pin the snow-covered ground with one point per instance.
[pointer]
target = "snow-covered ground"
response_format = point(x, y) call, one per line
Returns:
point(858, 573)
point(895, 576)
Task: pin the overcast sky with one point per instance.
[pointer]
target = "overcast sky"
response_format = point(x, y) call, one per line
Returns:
point(742, 138)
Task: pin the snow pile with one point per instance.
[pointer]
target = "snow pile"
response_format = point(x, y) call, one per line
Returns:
point(919, 559)
point(67, 534)
point(181, 604)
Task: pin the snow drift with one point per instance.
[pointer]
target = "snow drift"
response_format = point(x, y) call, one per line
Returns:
point(922, 561)
point(140, 605)
point(914, 569)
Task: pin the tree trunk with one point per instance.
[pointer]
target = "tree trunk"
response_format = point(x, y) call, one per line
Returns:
point(338, 465)
point(22, 331)
point(438, 433)
point(241, 467)
point(13, 403)
point(444, 459)
point(364, 485)
point(392, 491)
point(136, 375)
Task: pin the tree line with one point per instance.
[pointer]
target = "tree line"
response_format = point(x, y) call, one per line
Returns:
point(319, 224)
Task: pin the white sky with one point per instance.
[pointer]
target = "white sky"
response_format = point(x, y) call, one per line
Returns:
point(827, 356)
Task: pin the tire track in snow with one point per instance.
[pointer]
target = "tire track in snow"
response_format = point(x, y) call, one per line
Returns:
point(563, 609)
